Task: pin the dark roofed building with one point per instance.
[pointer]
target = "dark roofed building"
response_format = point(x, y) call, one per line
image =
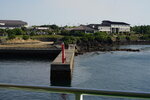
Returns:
point(111, 27)
point(10, 24)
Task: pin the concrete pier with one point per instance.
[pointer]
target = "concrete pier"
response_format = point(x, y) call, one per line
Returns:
point(61, 73)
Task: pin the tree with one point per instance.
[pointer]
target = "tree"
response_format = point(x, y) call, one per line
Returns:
point(65, 32)
point(11, 34)
point(143, 29)
point(32, 33)
point(2, 32)
point(18, 31)
point(24, 29)
point(101, 36)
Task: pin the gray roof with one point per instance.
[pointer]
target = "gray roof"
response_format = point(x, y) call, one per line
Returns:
point(12, 23)
point(117, 23)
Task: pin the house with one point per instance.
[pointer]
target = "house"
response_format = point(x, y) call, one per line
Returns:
point(82, 29)
point(42, 28)
point(111, 27)
point(11, 24)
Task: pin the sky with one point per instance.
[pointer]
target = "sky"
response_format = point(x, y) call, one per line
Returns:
point(76, 12)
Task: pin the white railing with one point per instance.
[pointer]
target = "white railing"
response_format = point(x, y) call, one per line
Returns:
point(79, 92)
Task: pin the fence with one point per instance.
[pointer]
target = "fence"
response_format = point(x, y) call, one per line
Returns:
point(79, 92)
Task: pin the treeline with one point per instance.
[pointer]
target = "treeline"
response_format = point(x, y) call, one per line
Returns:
point(100, 37)
point(27, 32)
point(11, 33)
point(137, 33)
point(31, 30)
point(143, 29)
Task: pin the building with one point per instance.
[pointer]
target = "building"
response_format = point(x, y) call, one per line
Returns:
point(42, 28)
point(11, 24)
point(82, 29)
point(111, 27)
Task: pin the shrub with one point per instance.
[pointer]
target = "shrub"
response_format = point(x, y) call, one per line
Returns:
point(77, 33)
point(65, 32)
point(32, 33)
point(101, 36)
point(69, 40)
point(25, 37)
point(128, 38)
point(145, 37)
point(12, 36)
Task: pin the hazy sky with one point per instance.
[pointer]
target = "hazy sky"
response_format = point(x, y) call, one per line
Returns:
point(75, 12)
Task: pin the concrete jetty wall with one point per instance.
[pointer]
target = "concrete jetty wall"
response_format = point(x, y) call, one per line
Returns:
point(48, 53)
point(61, 73)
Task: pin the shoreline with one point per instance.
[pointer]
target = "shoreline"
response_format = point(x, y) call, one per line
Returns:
point(105, 47)
point(80, 48)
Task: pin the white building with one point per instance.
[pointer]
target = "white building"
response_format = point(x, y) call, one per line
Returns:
point(42, 28)
point(111, 27)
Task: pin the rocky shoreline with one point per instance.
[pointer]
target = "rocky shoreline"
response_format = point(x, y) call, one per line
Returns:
point(104, 47)
point(107, 50)
point(82, 46)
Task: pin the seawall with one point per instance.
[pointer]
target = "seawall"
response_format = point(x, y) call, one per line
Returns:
point(48, 53)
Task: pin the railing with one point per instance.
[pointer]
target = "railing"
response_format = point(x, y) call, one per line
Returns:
point(79, 92)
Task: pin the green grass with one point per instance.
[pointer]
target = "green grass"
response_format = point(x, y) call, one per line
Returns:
point(3, 36)
point(19, 36)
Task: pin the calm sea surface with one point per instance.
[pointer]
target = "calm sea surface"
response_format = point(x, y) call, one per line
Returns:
point(118, 70)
